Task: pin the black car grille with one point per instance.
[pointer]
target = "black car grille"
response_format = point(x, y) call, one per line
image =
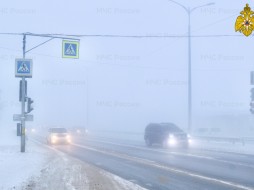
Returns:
point(181, 136)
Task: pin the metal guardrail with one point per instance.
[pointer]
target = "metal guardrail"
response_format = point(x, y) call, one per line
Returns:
point(139, 136)
point(233, 140)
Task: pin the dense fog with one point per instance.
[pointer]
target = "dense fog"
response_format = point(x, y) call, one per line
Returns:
point(124, 83)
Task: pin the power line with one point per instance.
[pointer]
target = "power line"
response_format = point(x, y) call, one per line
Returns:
point(53, 36)
point(147, 36)
point(67, 36)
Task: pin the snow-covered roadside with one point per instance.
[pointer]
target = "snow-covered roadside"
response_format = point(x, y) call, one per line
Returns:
point(41, 167)
point(17, 167)
point(68, 173)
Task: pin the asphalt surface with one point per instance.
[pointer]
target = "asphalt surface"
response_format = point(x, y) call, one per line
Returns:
point(157, 168)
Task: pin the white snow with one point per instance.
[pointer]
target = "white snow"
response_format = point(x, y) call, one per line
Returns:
point(43, 167)
point(16, 167)
point(128, 185)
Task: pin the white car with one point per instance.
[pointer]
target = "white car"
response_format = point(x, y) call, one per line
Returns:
point(58, 136)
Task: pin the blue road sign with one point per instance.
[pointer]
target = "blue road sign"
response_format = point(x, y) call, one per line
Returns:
point(70, 49)
point(23, 68)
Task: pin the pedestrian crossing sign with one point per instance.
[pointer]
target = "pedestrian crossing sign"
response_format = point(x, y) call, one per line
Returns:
point(70, 49)
point(23, 68)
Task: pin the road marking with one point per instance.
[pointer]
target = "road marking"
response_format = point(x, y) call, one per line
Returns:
point(142, 148)
point(215, 159)
point(178, 153)
point(154, 164)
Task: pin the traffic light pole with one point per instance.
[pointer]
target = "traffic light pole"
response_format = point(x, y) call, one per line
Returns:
point(24, 97)
point(23, 122)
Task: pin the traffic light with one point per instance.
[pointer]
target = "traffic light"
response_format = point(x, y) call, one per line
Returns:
point(252, 107)
point(29, 105)
point(252, 100)
point(252, 94)
point(18, 129)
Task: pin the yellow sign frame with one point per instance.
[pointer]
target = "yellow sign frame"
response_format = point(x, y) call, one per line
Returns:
point(71, 44)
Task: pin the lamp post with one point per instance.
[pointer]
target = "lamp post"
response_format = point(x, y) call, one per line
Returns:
point(189, 10)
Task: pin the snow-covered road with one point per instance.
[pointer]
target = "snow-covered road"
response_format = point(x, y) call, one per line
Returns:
point(41, 167)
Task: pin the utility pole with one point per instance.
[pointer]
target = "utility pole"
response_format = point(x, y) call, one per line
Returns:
point(189, 74)
point(23, 122)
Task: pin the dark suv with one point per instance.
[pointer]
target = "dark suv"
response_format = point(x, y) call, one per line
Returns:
point(165, 134)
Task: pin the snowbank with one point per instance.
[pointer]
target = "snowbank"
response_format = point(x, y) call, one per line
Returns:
point(16, 167)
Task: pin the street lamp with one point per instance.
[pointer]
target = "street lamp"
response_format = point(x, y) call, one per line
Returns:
point(189, 11)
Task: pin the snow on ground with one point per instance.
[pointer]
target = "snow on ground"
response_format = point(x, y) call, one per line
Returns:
point(17, 167)
point(121, 183)
point(42, 167)
point(67, 173)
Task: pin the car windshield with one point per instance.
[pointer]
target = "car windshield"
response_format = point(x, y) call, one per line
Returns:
point(171, 128)
point(58, 130)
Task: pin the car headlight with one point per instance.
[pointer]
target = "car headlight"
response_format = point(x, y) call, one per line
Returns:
point(53, 139)
point(189, 138)
point(172, 140)
point(68, 136)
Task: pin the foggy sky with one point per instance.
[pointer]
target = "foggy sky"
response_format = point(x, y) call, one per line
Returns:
point(126, 83)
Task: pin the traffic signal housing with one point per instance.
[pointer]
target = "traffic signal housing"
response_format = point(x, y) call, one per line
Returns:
point(252, 107)
point(29, 105)
point(252, 100)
